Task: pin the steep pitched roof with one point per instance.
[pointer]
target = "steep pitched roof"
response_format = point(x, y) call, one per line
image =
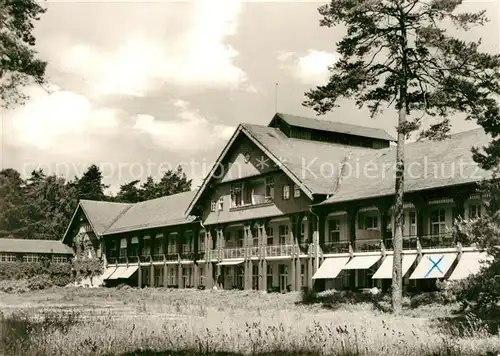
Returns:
point(101, 214)
point(108, 218)
point(429, 164)
point(160, 212)
point(315, 164)
point(34, 246)
point(303, 161)
point(333, 126)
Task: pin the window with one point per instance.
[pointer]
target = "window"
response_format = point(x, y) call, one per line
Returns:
point(283, 230)
point(303, 275)
point(241, 238)
point(236, 194)
point(213, 205)
point(185, 276)
point(283, 276)
point(31, 258)
point(333, 230)
point(59, 259)
point(201, 276)
point(269, 276)
point(438, 222)
point(270, 188)
point(302, 231)
point(157, 246)
point(201, 241)
point(146, 247)
point(173, 276)
point(296, 191)
point(412, 220)
point(286, 192)
point(186, 245)
point(371, 222)
point(172, 243)
point(474, 211)
point(221, 203)
point(7, 258)
point(270, 236)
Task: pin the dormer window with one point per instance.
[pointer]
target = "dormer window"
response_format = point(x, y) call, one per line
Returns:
point(270, 188)
point(296, 191)
point(236, 194)
point(286, 192)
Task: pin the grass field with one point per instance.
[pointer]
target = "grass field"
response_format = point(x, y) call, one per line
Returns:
point(74, 321)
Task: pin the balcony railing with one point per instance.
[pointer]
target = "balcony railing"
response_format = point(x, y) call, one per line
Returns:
point(409, 243)
point(214, 254)
point(187, 256)
point(201, 255)
point(367, 245)
point(254, 251)
point(233, 253)
point(172, 257)
point(433, 241)
point(133, 259)
point(158, 258)
point(279, 250)
point(145, 258)
point(335, 247)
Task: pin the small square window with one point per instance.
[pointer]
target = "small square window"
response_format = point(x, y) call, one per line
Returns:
point(296, 191)
point(286, 192)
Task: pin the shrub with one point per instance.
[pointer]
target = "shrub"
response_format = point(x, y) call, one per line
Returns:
point(14, 286)
point(58, 273)
point(41, 281)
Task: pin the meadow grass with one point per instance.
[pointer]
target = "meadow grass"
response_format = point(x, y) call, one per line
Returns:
point(77, 321)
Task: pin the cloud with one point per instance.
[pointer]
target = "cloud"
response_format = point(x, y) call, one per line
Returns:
point(311, 68)
point(188, 132)
point(141, 63)
point(56, 121)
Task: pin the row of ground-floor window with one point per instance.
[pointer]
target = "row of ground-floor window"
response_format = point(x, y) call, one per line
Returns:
point(278, 277)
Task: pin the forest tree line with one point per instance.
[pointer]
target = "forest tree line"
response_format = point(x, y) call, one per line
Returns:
point(40, 206)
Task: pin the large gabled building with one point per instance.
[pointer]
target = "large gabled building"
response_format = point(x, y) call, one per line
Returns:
point(297, 203)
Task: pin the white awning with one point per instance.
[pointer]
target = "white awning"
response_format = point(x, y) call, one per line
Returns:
point(231, 263)
point(385, 269)
point(129, 272)
point(362, 262)
point(118, 273)
point(123, 243)
point(330, 268)
point(468, 264)
point(135, 240)
point(108, 272)
point(434, 265)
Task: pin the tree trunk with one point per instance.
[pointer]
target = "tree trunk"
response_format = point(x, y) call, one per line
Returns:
point(397, 275)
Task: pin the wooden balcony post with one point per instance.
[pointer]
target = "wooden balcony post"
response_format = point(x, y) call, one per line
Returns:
point(151, 275)
point(180, 280)
point(263, 265)
point(139, 275)
point(262, 272)
point(165, 273)
point(196, 273)
point(298, 274)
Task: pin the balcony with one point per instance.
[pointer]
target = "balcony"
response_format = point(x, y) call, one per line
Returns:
point(335, 247)
point(434, 241)
point(279, 250)
point(214, 254)
point(172, 257)
point(187, 256)
point(228, 253)
point(254, 251)
point(145, 258)
point(158, 258)
point(371, 245)
point(201, 255)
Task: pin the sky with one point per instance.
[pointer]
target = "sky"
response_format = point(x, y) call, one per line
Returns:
point(141, 87)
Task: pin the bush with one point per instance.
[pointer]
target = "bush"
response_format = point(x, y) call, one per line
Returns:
point(59, 274)
point(41, 281)
point(14, 286)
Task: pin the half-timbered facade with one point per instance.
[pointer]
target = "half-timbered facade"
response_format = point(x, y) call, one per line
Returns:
point(298, 203)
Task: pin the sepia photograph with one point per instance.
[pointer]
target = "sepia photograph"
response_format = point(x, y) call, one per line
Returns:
point(268, 178)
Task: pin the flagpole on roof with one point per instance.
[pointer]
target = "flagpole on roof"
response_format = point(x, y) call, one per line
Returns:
point(276, 98)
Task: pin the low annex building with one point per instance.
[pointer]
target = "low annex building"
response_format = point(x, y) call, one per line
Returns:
point(24, 250)
point(298, 203)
